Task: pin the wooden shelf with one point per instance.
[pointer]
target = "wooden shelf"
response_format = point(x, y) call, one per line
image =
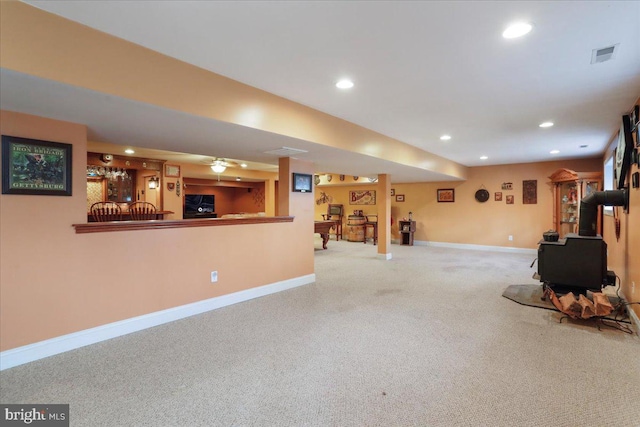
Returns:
point(407, 228)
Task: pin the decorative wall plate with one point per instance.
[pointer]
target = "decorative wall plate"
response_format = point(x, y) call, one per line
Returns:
point(482, 195)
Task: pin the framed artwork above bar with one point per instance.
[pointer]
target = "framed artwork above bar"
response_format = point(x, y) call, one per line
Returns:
point(32, 166)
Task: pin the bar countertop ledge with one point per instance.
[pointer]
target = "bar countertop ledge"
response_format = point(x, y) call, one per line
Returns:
point(101, 227)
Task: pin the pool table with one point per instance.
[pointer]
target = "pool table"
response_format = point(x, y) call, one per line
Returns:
point(322, 228)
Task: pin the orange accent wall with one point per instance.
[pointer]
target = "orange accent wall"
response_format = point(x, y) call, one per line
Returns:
point(55, 282)
point(230, 200)
point(467, 221)
point(624, 254)
point(249, 200)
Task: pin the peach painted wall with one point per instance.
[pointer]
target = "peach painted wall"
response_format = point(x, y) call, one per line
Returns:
point(174, 199)
point(467, 221)
point(340, 195)
point(250, 200)
point(31, 41)
point(624, 254)
point(297, 204)
point(55, 282)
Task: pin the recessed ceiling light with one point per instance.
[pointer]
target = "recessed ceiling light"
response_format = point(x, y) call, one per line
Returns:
point(554, 151)
point(129, 151)
point(484, 157)
point(243, 165)
point(344, 84)
point(445, 137)
point(546, 124)
point(517, 29)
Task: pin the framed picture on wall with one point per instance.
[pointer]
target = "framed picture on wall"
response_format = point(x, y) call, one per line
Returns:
point(530, 192)
point(362, 197)
point(623, 152)
point(498, 196)
point(446, 195)
point(172, 171)
point(635, 117)
point(32, 166)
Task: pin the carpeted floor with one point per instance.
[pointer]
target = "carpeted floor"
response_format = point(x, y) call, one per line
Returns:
point(425, 339)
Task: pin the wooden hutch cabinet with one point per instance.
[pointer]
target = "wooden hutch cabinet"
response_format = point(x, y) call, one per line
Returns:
point(569, 189)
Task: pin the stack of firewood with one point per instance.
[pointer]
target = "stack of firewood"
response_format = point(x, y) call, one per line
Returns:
point(582, 308)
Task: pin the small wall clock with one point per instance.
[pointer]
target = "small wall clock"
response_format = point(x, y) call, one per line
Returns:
point(482, 195)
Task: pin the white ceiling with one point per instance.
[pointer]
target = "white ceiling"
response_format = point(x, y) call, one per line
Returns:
point(421, 69)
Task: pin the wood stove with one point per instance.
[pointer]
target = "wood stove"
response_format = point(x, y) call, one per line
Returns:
point(578, 262)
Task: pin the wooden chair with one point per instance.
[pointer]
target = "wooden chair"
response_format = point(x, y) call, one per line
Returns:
point(141, 211)
point(371, 221)
point(106, 211)
point(335, 213)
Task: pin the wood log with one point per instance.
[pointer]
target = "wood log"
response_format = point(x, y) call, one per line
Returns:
point(602, 304)
point(588, 309)
point(570, 305)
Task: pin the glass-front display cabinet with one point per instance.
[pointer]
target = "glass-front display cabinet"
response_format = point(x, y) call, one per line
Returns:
point(570, 188)
point(122, 179)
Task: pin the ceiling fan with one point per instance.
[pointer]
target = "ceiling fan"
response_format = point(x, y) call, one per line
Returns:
point(219, 165)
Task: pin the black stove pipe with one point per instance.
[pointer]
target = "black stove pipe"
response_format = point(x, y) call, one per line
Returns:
point(589, 208)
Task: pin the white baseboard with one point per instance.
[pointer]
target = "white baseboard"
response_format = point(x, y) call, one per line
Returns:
point(39, 350)
point(476, 247)
point(635, 320)
point(385, 257)
point(632, 315)
point(470, 247)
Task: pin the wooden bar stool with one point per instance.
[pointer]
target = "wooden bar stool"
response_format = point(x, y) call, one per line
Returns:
point(371, 221)
point(106, 211)
point(142, 211)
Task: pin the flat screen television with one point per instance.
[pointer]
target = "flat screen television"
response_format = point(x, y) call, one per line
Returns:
point(301, 182)
point(199, 204)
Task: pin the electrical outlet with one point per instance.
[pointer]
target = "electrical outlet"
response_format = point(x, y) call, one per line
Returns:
point(510, 238)
point(214, 276)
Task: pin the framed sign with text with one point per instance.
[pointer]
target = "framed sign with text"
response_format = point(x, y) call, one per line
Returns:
point(172, 171)
point(32, 166)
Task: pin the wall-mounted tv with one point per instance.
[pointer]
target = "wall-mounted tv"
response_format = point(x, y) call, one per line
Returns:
point(301, 182)
point(199, 204)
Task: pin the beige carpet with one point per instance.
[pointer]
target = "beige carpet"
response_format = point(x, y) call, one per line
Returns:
point(425, 339)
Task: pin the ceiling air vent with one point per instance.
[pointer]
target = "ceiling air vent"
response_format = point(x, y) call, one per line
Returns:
point(604, 54)
point(286, 151)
